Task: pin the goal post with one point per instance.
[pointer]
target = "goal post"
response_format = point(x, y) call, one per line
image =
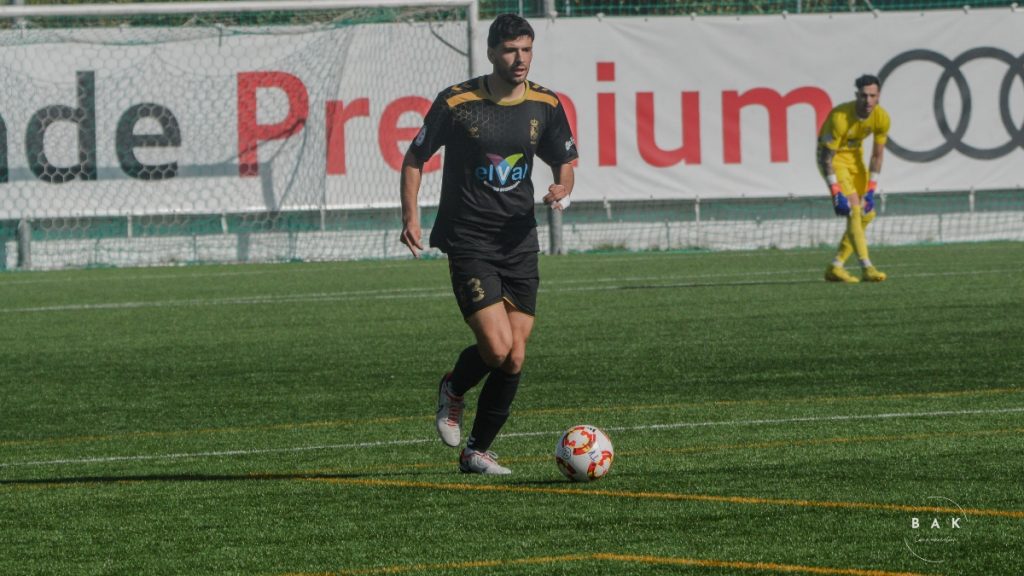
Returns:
point(164, 133)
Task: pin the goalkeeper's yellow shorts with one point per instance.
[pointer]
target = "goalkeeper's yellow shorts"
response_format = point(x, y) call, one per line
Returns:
point(851, 173)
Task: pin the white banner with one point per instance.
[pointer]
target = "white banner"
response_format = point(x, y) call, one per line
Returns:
point(730, 107)
point(208, 120)
point(101, 122)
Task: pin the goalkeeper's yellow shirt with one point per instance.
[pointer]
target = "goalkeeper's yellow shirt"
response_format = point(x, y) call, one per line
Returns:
point(844, 132)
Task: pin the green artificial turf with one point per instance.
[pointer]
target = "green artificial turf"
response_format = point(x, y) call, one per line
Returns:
point(278, 419)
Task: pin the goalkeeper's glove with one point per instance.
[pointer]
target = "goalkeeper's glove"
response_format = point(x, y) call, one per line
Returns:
point(839, 202)
point(869, 197)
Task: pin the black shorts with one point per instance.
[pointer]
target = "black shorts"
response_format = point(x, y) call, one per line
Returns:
point(479, 282)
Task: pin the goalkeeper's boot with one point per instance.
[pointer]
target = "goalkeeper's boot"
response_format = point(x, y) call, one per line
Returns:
point(449, 413)
point(839, 274)
point(871, 274)
point(476, 462)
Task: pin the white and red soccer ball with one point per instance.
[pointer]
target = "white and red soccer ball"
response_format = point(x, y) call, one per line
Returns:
point(584, 453)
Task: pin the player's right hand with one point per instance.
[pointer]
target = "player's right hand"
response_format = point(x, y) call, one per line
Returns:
point(557, 197)
point(411, 234)
point(839, 202)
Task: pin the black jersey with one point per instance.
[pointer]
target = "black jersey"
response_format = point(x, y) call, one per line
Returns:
point(486, 189)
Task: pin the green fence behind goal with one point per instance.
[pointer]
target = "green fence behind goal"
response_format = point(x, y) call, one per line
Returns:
point(785, 223)
point(720, 224)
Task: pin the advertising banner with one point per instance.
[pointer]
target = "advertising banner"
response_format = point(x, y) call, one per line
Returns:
point(124, 122)
point(730, 107)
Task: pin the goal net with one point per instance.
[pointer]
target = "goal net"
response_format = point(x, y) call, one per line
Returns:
point(156, 134)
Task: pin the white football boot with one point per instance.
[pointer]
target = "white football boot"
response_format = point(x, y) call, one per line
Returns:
point(476, 462)
point(449, 413)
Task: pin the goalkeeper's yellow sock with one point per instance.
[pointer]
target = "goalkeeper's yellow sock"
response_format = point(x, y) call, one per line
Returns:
point(855, 230)
point(846, 245)
point(845, 249)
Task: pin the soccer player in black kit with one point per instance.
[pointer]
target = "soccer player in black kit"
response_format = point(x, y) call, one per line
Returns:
point(494, 127)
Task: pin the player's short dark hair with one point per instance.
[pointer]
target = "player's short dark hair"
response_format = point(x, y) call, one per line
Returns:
point(508, 27)
point(867, 80)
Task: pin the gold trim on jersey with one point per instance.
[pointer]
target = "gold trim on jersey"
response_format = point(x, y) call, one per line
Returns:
point(482, 93)
point(487, 90)
point(536, 96)
point(473, 96)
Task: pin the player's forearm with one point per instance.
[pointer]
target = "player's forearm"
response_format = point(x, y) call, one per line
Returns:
point(412, 173)
point(564, 175)
point(825, 156)
point(875, 165)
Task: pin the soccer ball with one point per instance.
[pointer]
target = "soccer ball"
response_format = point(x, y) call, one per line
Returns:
point(584, 453)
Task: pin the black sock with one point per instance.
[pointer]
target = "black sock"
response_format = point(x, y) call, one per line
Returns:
point(492, 408)
point(468, 371)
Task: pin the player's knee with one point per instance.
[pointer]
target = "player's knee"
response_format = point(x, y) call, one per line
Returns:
point(514, 362)
point(495, 354)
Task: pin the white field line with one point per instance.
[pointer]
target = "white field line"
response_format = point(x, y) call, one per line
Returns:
point(410, 293)
point(413, 441)
point(245, 300)
point(323, 268)
point(326, 269)
point(332, 268)
point(171, 273)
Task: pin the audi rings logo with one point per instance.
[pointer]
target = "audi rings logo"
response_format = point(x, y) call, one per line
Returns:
point(951, 71)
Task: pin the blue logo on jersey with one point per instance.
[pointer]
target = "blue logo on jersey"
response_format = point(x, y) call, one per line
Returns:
point(502, 174)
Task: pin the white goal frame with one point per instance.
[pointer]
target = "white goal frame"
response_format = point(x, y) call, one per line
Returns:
point(228, 242)
point(243, 6)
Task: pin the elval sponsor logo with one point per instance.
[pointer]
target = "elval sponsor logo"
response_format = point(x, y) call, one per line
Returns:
point(503, 174)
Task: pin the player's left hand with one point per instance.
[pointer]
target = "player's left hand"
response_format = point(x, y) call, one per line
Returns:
point(557, 197)
point(869, 197)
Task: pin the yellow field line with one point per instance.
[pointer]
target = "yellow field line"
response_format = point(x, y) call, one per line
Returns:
point(446, 566)
point(603, 557)
point(668, 496)
point(539, 411)
point(748, 565)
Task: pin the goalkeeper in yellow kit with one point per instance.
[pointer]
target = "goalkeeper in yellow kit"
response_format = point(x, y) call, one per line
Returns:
point(853, 188)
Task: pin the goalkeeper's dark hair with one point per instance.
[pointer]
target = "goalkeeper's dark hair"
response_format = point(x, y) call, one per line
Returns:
point(867, 80)
point(508, 27)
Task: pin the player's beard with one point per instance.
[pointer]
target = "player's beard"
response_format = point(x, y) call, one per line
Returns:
point(510, 77)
